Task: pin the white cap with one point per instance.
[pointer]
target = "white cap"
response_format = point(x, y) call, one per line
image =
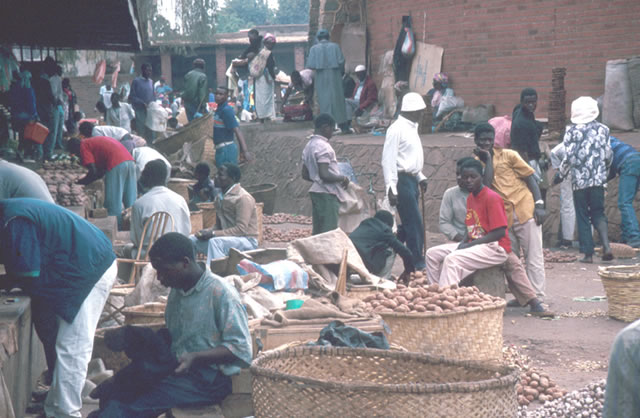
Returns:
point(360, 68)
point(412, 102)
point(584, 110)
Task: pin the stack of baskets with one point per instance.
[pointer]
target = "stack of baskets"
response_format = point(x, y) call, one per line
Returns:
point(557, 102)
point(622, 286)
point(332, 381)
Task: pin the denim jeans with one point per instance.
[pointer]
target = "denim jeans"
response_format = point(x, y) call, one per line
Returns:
point(218, 247)
point(120, 187)
point(589, 205)
point(627, 188)
point(227, 154)
point(141, 124)
point(409, 211)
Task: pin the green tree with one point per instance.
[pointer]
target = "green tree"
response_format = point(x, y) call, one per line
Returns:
point(292, 11)
point(243, 14)
point(194, 20)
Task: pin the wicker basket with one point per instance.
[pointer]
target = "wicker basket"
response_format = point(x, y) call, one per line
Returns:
point(149, 313)
point(350, 382)
point(196, 221)
point(622, 286)
point(208, 214)
point(473, 334)
point(181, 186)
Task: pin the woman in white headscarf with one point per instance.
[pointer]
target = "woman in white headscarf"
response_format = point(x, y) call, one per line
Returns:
point(263, 69)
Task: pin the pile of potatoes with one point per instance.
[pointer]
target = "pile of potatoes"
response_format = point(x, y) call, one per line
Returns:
point(429, 298)
point(281, 235)
point(61, 178)
point(284, 218)
point(559, 256)
point(535, 386)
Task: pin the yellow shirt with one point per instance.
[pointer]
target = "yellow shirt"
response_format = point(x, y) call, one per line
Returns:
point(509, 172)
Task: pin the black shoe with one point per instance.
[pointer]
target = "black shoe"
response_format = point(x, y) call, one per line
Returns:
point(607, 257)
point(538, 310)
point(513, 303)
point(588, 259)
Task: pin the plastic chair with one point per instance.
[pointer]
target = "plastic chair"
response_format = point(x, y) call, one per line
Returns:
point(157, 225)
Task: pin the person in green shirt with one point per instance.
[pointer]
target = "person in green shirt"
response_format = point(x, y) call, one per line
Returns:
point(195, 90)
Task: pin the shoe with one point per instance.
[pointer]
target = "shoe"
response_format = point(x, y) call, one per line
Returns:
point(587, 259)
point(607, 257)
point(513, 303)
point(539, 311)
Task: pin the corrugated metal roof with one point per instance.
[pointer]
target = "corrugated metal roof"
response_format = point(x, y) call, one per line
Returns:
point(76, 24)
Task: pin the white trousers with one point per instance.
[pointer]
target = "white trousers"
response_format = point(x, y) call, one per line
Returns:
point(446, 265)
point(74, 345)
point(567, 210)
point(529, 236)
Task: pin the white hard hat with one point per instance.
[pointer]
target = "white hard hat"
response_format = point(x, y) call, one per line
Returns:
point(584, 110)
point(360, 68)
point(412, 102)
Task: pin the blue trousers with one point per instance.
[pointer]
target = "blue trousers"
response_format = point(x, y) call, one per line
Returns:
point(589, 204)
point(172, 392)
point(218, 247)
point(409, 211)
point(627, 189)
point(120, 187)
point(227, 154)
point(141, 124)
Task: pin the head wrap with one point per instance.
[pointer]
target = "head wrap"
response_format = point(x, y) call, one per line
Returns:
point(441, 78)
point(269, 37)
point(584, 110)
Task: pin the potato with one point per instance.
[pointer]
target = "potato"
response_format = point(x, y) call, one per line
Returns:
point(530, 391)
point(369, 298)
point(402, 309)
point(432, 307)
point(401, 300)
point(519, 389)
point(544, 382)
point(420, 308)
point(418, 274)
point(447, 305)
point(534, 384)
point(535, 376)
point(390, 303)
point(522, 400)
point(387, 293)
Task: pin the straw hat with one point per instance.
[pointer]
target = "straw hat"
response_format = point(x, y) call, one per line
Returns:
point(584, 110)
point(412, 102)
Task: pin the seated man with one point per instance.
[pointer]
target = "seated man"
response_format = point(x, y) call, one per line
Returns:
point(365, 95)
point(301, 81)
point(157, 198)
point(107, 157)
point(453, 209)
point(485, 244)
point(237, 223)
point(204, 189)
point(209, 335)
point(377, 245)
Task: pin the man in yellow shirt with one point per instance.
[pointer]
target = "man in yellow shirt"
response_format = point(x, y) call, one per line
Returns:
point(513, 179)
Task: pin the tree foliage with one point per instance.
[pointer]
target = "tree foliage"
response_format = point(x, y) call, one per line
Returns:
point(292, 11)
point(194, 20)
point(243, 14)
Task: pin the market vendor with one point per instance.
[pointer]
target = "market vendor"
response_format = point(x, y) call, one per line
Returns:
point(67, 266)
point(237, 221)
point(89, 130)
point(107, 157)
point(225, 129)
point(364, 97)
point(143, 155)
point(18, 181)
point(300, 81)
point(209, 333)
point(157, 198)
point(378, 245)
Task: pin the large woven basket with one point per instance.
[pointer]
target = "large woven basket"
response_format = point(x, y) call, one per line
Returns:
point(357, 382)
point(473, 334)
point(208, 214)
point(622, 286)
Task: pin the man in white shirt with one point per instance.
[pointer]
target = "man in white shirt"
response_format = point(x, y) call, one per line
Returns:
point(88, 130)
point(120, 113)
point(158, 198)
point(144, 155)
point(402, 161)
point(18, 181)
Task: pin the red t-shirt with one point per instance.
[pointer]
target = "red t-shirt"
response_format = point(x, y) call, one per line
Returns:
point(104, 152)
point(485, 212)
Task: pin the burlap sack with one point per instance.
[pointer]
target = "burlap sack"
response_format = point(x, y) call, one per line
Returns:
point(617, 112)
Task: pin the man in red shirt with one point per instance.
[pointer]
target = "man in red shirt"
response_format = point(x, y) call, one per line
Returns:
point(485, 245)
point(104, 156)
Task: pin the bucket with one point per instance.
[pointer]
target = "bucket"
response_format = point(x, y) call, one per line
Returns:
point(264, 193)
point(36, 132)
point(181, 186)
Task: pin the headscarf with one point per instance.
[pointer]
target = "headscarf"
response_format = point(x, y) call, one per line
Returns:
point(269, 37)
point(584, 110)
point(442, 78)
point(25, 79)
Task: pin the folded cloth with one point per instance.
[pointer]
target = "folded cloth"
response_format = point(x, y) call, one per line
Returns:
point(337, 334)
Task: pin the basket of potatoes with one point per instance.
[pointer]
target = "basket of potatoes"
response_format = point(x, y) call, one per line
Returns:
point(459, 323)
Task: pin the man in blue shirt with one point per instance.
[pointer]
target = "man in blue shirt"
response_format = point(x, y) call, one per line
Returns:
point(225, 126)
point(626, 164)
point(209, 333)
point(140, 96)
point(67, 266)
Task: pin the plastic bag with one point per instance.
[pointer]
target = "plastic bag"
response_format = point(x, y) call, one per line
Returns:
point(279, 275)
point(409, 44)
point(448, 103)
point(156, 117)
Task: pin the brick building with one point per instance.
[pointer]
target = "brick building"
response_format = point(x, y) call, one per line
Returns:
point(494, 48)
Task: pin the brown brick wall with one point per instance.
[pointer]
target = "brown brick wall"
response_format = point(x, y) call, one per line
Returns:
point(494, 48)
point(87, 91)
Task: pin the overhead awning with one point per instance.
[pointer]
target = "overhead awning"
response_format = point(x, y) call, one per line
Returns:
point(71, 24)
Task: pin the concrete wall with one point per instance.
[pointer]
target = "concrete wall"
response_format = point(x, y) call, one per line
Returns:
point(279, 148)
point(494, 48)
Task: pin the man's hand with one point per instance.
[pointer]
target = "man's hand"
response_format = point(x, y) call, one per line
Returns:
point(539, 214)
point(464, 245)
point(359, 112)
point(458, 238)
point(393, 198)
point(557, 178)
point(186, 361)
point(482, 154)
point(423, 186)
point(345, 182)
point(205, 234)
point(404, 277)
point(246, 156)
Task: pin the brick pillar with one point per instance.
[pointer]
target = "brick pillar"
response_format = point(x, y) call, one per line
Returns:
point(298, 54)
point(165, 68)
point(221, 65)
